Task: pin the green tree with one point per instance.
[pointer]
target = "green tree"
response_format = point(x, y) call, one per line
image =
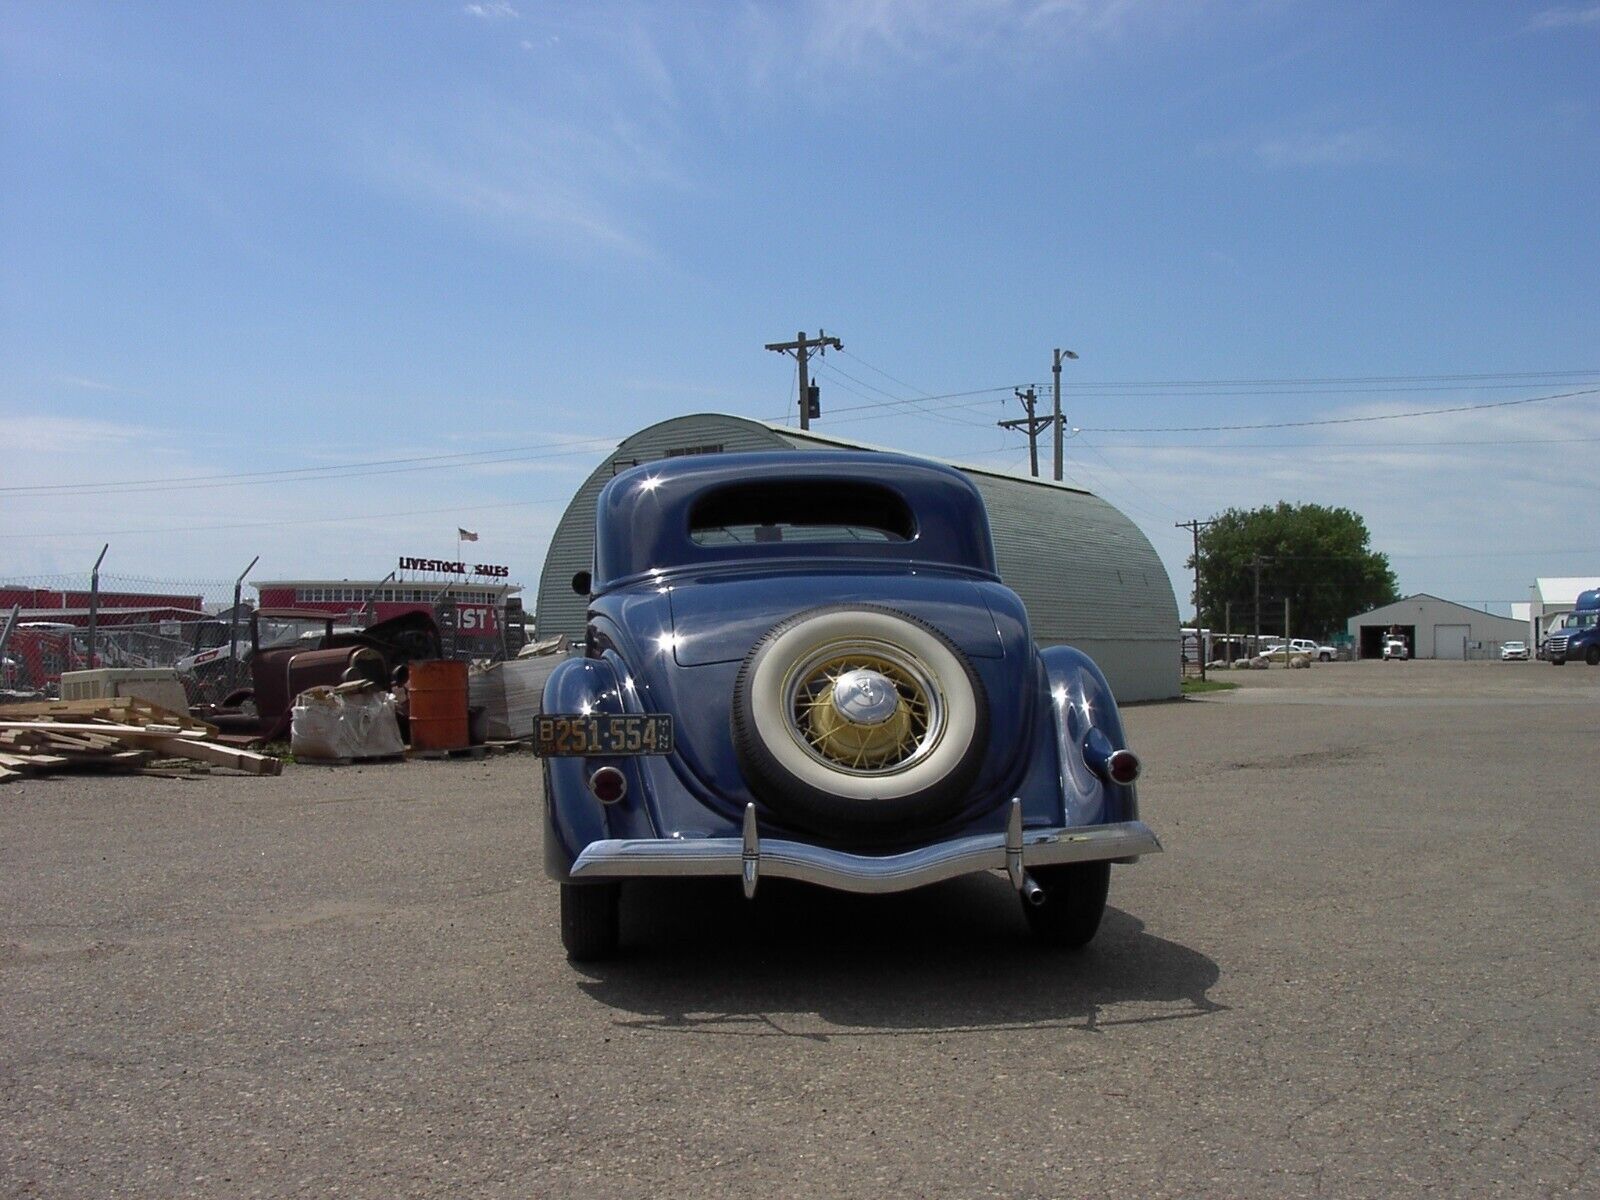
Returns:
point(1318, 557)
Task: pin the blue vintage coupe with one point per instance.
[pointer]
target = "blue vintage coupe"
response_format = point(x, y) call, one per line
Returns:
point(803, 665)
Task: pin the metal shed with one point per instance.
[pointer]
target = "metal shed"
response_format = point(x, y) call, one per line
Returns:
point(1087, 574)
point(1434, 628)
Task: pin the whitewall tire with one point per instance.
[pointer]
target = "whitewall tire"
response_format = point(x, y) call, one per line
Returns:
point(902, 747)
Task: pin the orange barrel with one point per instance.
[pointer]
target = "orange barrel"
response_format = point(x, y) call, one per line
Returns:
point(438, 690)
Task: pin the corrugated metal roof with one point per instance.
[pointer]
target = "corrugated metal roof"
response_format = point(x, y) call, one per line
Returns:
point(1403, 610)
point(1086, 573)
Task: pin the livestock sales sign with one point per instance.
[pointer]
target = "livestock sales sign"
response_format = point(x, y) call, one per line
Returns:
point(442, 566)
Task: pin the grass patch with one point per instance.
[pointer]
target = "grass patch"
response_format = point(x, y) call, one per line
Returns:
point(1198, 687)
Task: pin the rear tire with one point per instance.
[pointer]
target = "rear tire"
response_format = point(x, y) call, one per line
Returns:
point(590, 920)
point(1075, 900)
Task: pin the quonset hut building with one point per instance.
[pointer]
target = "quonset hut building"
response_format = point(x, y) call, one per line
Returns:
point(1087, 574)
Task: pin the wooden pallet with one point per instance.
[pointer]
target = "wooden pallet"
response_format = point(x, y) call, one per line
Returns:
point(118, 710)
point(48, 743)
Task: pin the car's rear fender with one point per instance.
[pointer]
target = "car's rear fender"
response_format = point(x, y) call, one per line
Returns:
point(573, 816)
point(1088, 729)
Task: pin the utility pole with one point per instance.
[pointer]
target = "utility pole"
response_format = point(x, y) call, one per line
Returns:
point(1060, 424)
point(1255, 564)
point(803, 348)
point(1194, 526)
point(1031, 423)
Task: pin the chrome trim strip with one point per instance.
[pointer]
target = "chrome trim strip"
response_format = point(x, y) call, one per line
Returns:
point(620, 858)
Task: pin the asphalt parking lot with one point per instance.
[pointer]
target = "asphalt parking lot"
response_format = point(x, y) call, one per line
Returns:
point(1365, 966)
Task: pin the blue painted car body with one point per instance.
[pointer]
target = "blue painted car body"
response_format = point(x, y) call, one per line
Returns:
point(671, 620)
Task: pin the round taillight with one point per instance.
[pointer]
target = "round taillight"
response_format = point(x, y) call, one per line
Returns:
point(608, 785)
point(1122, 767)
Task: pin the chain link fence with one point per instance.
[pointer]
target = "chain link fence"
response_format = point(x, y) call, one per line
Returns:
point(186, 624)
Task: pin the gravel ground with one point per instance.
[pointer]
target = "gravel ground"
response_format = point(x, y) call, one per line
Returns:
point(1365, 966)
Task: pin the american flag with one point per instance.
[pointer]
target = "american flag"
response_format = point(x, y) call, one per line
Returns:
point(466, 535)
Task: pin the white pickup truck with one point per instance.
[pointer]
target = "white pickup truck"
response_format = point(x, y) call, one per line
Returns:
point(1303, 646)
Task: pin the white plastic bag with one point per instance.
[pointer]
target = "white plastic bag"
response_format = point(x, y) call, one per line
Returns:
point(329, 724)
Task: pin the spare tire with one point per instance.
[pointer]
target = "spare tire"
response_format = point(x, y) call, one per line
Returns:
point(853, 718)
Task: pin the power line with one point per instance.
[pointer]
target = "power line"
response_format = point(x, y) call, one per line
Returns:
point(968, 403)
point(1334, 379)
point(1425, 412)
point(988, 391)
point(837, 370)
point(303, 474)
point(1151, 496)
point(1300, 381)
point(1431, 389)
point(920, 393)
point(378, 516)
point(1345, 445)
point(885, 374)
point(912, 401)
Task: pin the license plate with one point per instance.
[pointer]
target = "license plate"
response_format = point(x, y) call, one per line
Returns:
point(603, 735)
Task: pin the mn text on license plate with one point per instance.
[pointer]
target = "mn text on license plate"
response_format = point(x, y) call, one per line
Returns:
point(603, 734)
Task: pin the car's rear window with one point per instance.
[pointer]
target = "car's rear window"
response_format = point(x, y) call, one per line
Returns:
point(830, 511)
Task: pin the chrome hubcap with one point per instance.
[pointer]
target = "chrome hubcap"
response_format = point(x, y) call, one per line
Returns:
point(865, 697)
point(864, 706)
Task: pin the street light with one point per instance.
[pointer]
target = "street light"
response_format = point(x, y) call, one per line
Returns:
point(1056, 371)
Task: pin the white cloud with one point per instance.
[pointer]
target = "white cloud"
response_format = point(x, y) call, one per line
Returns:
point(66, 436)
point(527, 199)
point(1565, 17)
point(87, 384)
point(1340, 148)
point(491, 10)
point(1466, 521)
point(571, 186)
point(335, 526)
point(856, 31)
point(1310, 143)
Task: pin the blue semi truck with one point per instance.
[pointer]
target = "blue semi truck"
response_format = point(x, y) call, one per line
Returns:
point(1579, 635)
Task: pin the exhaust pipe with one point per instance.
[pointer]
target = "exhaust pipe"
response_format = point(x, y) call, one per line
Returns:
point(1032, 893)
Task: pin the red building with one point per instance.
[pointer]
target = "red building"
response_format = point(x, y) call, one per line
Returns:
point(51, 634)
point(116, 608)
point(480, 609)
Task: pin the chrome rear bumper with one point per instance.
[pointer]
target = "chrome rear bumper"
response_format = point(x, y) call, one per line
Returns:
point(751, 857)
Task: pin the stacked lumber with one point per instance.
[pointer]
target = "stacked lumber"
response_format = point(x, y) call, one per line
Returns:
point(505, 697)
point(122, 734)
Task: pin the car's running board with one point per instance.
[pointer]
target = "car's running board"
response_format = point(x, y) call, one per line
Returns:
point(752, 857)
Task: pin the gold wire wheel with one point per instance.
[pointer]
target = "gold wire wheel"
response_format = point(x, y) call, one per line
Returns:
point(887, 737)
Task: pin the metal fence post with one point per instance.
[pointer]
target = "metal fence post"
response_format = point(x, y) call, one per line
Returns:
point(94, 603)
point(233, 625)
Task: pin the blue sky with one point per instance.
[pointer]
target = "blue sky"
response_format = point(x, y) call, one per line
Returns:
point(260, 238)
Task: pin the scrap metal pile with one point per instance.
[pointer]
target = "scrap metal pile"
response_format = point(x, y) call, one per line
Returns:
point(125, 734)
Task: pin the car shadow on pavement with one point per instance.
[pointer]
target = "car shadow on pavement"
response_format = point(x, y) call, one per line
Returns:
point(810, 962)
